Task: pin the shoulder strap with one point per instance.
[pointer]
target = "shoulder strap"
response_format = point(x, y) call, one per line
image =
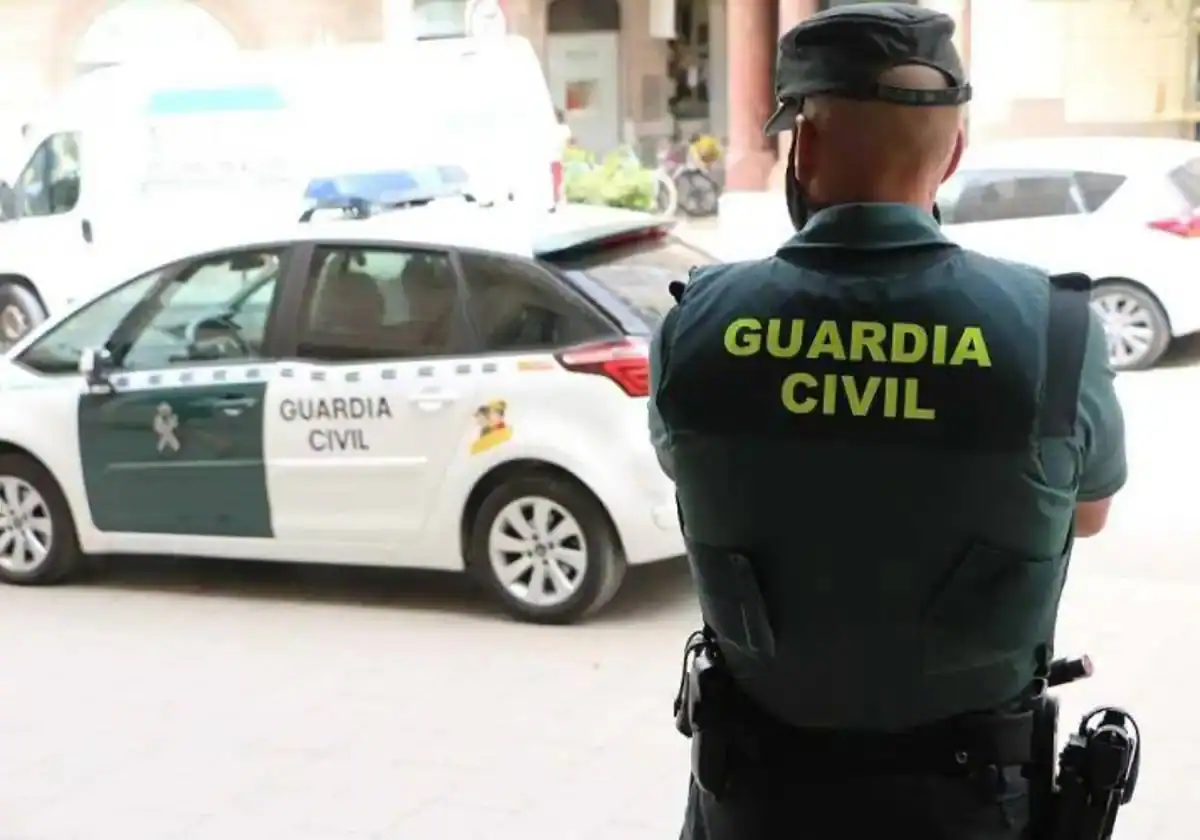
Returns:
point(1066, 344)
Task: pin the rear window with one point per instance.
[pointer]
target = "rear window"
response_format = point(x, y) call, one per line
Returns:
point(1186, 180)
point(639, 274)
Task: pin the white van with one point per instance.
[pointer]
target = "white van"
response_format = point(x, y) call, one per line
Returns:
point(131, 155)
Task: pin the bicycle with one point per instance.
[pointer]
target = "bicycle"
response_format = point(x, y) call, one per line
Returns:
point(696, 179)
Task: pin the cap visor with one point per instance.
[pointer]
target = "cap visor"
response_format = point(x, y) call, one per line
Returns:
point(784, 119)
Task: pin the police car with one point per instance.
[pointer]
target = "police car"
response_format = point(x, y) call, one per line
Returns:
point(448, 387)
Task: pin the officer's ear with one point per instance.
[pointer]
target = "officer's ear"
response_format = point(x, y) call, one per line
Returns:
point(805, 148)
point(960, 145)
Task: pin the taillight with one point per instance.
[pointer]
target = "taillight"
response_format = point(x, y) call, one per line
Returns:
point(646, 234)
point(1187, 226)
point(556, 180)
point(623, 361)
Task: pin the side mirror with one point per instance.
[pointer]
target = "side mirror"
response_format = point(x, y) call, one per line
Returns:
point(8, 202)
point(94, 365)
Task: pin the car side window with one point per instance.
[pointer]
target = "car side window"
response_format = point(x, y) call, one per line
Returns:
point(214, 309)
point(50, 183)
point(514, 306)
point(61, 348)
point(999, 196)
point(380, 303)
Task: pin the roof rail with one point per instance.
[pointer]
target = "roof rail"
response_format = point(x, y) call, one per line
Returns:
point(352, 207)
point(356, 207)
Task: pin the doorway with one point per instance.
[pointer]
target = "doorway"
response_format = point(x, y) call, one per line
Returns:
point(583, 68)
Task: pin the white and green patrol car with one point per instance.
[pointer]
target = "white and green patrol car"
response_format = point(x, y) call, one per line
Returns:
point(446, 387)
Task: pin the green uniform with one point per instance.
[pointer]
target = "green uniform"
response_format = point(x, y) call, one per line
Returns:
point(878, 441)
point(866, 447)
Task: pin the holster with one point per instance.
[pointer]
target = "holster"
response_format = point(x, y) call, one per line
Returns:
point(1043, 799)
point(704, 713)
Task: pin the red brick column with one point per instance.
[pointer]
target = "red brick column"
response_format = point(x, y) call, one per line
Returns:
point(791, 12)
point(750, 34)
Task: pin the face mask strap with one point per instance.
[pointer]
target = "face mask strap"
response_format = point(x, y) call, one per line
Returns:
point(797, 206)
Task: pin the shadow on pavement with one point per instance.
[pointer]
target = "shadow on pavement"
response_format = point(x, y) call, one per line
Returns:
point(646, 592)
point(1184, 352)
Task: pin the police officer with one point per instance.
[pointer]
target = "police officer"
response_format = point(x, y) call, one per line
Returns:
point(884, 447)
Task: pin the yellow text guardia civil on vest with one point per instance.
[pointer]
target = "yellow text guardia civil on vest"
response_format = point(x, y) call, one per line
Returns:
point(896, 343)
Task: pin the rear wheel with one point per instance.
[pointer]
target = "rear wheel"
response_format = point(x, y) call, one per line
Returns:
point(698, 193)
point(1135, 324)
point(38, 543)
point(545, 547)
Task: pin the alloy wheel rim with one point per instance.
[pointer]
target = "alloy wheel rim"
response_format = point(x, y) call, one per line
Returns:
point(26, 529)
point(538, 551)
point(1128, 327)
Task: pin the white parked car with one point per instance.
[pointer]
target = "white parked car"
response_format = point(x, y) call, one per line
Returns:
point(1120, 209)
point(444, 388)
point(1123, 210)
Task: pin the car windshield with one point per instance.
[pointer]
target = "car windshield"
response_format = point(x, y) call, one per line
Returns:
point(639, 272)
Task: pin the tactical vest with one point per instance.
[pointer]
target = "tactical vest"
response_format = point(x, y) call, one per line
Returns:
point(962, 629)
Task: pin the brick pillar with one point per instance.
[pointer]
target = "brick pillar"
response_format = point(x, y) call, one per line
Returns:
point(750, 36)
point(791, 12)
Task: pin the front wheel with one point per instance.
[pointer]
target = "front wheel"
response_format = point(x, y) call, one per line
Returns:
point(1135, 324)
point(545, 548)
point(666, 196)
point(38, 543)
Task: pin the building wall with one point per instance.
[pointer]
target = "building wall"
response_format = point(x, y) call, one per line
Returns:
point(39, 43)
point(1039, 67)
point(1118, 66)
point(39, 39)
point(644, 58)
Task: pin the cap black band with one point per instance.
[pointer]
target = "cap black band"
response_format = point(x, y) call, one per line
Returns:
point(940, 97)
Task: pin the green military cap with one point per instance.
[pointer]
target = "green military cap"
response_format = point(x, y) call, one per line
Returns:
point(842, 52)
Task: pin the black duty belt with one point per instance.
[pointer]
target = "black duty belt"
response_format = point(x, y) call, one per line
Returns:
point(958, 746)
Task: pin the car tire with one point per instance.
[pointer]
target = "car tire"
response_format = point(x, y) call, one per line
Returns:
point(29, 487)
point(1122, 304)
point(20, 311)
point(562, 542)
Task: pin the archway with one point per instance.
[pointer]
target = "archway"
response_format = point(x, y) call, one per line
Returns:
point(138, 29)
point(583, 67)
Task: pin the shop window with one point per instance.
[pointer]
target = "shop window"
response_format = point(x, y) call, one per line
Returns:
point(689, 66)
point(581, 95)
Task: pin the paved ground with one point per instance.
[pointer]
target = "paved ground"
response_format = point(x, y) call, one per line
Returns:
point(167, 699)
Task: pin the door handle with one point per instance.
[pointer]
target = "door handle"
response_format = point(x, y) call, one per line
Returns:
point(85, 227)
point(433, 399)
point(233, 406)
